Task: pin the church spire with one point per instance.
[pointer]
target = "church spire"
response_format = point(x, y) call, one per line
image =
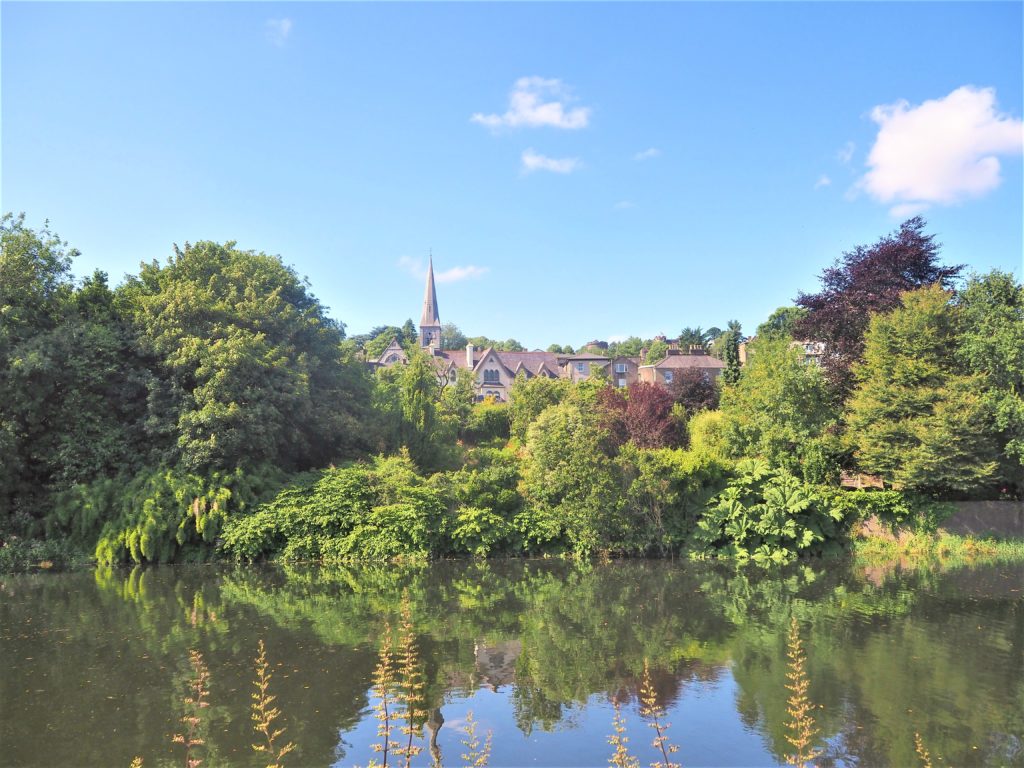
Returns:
point(430, 321)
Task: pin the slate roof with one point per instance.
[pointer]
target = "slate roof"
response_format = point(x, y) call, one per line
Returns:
point(689, 361)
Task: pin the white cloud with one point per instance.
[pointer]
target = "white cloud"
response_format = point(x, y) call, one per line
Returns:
point(647, 154)
point(624, 205)
point(823, 181)
point(527, 107)
point(418, 269)
point(455, 274)
point(278, 30)
point(617, 338)
point(845, 153)
point(941, 152)
point(534, 161)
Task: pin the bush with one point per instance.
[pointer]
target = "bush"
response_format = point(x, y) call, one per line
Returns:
point(770, 515)
point(374, 511)
point(487, 421)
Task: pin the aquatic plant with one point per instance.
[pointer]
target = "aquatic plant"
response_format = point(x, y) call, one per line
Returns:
point(195, 703)
point(264, 713)
point(621, 758)
point(653, 711)
point(477, 756)
point(803, 731)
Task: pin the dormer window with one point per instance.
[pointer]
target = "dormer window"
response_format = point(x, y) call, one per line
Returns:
point(620, 367)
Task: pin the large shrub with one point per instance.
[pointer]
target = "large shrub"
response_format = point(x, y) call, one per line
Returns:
point(769, 515)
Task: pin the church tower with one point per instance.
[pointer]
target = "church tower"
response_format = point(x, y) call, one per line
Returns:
point(430, 322)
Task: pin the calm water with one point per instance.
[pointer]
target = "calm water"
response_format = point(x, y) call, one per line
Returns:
point(95, 664)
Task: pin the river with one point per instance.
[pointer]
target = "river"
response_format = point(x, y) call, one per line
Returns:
point(96, 663)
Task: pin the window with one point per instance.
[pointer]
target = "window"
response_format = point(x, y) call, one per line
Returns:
point(581, 367)
point(620, 367)
point(392, 358)
point(668, 377)
point(622, 381)
point(491, 376)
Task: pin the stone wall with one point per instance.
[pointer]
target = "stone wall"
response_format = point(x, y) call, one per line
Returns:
point(1002, 518)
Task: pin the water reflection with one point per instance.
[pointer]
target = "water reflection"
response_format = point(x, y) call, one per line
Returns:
point(96, 663)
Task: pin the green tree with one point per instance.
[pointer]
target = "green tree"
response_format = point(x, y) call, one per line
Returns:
point(529, 398)
point(730, 341)
point(916, 417)
point(567, 481)
point(452, 337)
point(778, 406)
point(656, 352)
point(781, 322)
point(992, 344)
point(249, 366)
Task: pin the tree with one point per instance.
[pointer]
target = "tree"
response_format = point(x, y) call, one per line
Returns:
point(642, 414)
point(656, 352)
point(731, 352)
point(418, 396)
point(627, 348)
point(529, 398)
point(695, 390)
point(509, 345)
point(693, 337)
point(559, 349)
point(452, 337)
point(992, 344)
point(567, 480)
point(781, 322)
point(248, 366)
point(867, 280)
point(916, 417)
point(778, 408)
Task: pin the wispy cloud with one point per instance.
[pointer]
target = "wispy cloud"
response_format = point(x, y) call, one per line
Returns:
point(648, 154)
point(417, 267)
point(534, 161)
point(941, 152)
point(845, 153)
point(823, 181)
point(455, 274)
point(624, 205)
point(278, 31)
point(536, 102)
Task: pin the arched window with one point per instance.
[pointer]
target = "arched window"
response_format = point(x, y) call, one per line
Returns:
point(392, 358)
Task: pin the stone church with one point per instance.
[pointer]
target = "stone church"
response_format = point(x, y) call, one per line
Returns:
point(494, 371)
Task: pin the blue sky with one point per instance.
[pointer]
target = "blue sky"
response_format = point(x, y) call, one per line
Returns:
point(578, 170)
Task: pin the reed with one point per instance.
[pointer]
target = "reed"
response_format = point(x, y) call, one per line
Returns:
point(195, 702)
point(922, 753)
point(655, 713)
point(477, 755)
point(621, 758)
point(803, 731)
point(264, 713)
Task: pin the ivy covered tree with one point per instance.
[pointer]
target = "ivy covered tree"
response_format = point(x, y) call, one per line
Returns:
point(866, 281)
point(917, 417)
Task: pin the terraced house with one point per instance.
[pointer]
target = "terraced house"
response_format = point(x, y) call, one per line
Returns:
point(494, 371)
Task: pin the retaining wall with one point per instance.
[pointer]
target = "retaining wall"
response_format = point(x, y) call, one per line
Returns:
point(1002, 518)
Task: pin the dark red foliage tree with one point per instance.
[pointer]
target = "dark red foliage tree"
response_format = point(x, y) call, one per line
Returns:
point(695, 390)
point(643, 414)
point(865, 280)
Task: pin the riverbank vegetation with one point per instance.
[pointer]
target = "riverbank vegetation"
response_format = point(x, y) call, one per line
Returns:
point(210, 407)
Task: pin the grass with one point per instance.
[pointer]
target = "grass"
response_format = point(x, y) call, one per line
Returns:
point(941, 548)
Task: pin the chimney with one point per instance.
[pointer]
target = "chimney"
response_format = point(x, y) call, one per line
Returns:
point(469, 355)
point(643, 355)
